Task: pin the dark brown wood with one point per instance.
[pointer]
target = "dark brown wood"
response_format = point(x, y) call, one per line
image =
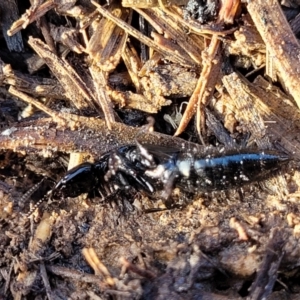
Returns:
point(9, 13)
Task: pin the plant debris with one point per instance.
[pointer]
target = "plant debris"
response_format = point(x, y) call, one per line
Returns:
point(80, 78)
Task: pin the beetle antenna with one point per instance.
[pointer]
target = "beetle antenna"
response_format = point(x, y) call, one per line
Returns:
point(28, 194)
point(37, 205)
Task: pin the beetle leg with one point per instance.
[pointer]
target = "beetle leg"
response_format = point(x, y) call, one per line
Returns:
point(118, 165)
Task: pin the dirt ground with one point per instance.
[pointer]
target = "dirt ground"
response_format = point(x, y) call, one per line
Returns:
point(240, 243)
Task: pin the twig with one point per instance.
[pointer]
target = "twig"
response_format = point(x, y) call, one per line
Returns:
point(98, 267)
point(208, 78)
point(102, 96)
point(46, 281)
point(175, 31)
point(171, 55)
point(8, 278)
point(61, 118)
point(129, 266)
point(267, 275)
point(249, 114)
point(76, 275)
point(75, 87)
point(30, 16)
point(92, 137)
point(205, 85)
point(280, 42)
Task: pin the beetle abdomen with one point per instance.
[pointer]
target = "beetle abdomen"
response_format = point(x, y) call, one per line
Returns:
point(230, 170)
